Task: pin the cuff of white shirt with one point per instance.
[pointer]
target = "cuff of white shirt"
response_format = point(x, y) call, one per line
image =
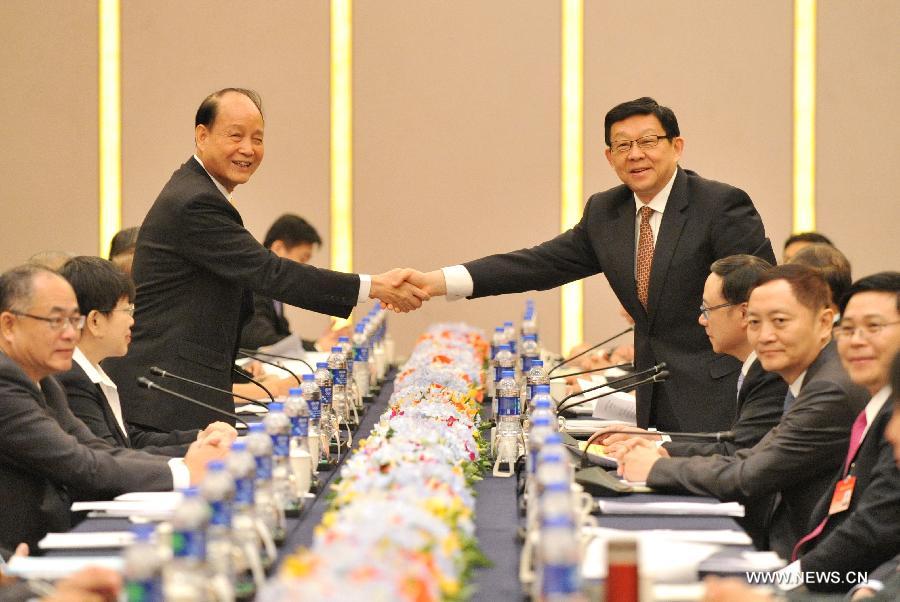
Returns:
point(365, 287)
point(873, 584)
point(665, 439)
point(181, 476)
point(459, 282)
point(790, 577)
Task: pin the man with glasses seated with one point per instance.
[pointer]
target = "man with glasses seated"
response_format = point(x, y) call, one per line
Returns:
point(106, 301)
point(49, 458)
point(654, 238)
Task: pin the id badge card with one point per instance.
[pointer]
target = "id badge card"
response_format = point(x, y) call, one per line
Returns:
point(843, 492)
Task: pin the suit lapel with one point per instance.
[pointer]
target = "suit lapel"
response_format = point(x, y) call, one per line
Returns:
point(669, 232)
point(110, 418)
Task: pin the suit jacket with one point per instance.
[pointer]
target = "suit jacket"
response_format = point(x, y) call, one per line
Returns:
point(267, 326)
point(760, 404)
point(48, 458)
point(867, 534)
point(89, 403)
point(195, 267)
point(703, 221)
point(797, 459)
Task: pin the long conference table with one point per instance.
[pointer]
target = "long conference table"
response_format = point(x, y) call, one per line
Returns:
point(497, 520)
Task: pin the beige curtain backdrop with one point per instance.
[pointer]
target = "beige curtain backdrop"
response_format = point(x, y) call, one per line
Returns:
point(456, 122)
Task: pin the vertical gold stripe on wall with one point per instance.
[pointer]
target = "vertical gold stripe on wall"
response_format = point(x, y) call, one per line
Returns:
point(110, 123)
point(341, 135)
point(572, 294)
point(804, 116)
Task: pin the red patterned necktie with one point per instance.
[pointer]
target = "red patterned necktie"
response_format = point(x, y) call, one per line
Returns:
point(856, 434)
point(644, 255)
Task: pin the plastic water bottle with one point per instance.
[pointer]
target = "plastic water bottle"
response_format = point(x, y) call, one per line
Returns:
point(185, 576)
point(313, 397)
point(499, 338)
point(328, 423)
point(529, 352)
point(278, 426)
point(242, 468)
point(559, 561)
point(369, 330)
point(508, 408)
point(337, 365)
point(259, 444)
point(361, 360)
point(324, 382)
point(541, 427)
point(504, 360)
point(353, 393)
point(218, 491)
point(553, 462)
point(300, 459)
point(510, 331)
point(535, 376)
point(143, 567)
point(529, 320)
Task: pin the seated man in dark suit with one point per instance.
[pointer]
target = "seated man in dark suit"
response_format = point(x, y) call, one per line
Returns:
point(106, 300)
point(856, 525)
point(789, 323)
point(290, 237)
point(760, 394)
point(48, 457)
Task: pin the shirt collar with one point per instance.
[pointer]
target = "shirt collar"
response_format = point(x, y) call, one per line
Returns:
point(95, 373)
point(876, 403)
point(221, 188)
point(748, 362)
point(797, 385)
point(657, 203)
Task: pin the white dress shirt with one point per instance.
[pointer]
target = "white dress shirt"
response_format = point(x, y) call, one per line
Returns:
point(365, 280)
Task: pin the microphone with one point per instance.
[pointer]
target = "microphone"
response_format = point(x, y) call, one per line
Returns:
point(259, 359)
point(600, 344)
point(146, 383)
point(157, 371)
point(652, 370)
point(243, 373)
point(659, 377)
point(625, 366)
point(253, 352)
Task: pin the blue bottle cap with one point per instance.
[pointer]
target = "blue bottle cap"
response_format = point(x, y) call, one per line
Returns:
point(257, 427)
point(343, 339)
point(504, 346)
point(537, 362)
point(507, 373)
point(321, 364)
point(309, 377)
point(529, 337)
point(190, 492)
point(276, 407)
point(507, 324)
point(143, 532)
point(239, 446)
point(553, 438)
point(541, 421)
point(336, 350)
point(214, 465)
point(498, 329)
point(360, 328)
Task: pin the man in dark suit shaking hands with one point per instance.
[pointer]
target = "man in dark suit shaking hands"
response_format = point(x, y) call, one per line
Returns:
point(196, 268)
point(654, 237)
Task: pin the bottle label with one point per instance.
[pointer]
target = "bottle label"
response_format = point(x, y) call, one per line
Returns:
point(526, 363)
point(281, 445)
point(315, 408)
point(326, 394)
point(189, 544)
point(361, 354)
point(147, 590)
point(508, 406)
point(243, 491)
point(560, 579)
point(339, 376)
point(299, 426)
point(221, 513)
point(264, 467)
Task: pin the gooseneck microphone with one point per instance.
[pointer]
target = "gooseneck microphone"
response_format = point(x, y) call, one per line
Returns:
point(600, 344)
point(245, 374)
point(157, 371)
point(651, 370)
point(253, 352)
point(625, 366)
point(277, 365)
point(659, 377)
point(146, 383)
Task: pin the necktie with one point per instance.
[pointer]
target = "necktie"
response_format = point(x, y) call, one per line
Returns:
point(645, 255)
point(788, 400)
point(856, 435)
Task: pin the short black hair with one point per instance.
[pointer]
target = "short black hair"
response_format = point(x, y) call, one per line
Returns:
point(209, 108)
point(292, 230)
point(882, 282)
point(807, 284)
point(739, 274)
point(833, 265)
point(813, 237)
point(17, 284)
point(124, 241)
point(98, 283)
point(641, 106)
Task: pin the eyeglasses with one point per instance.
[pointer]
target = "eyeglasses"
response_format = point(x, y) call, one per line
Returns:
point(704, 311)
point(56, 322)
point(867, 331)
point(644, 143)
point(128, 309)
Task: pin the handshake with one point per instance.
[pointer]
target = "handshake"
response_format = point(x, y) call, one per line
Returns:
point(403, 290)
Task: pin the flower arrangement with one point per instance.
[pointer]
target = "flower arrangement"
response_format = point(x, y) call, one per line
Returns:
point(400, 524)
